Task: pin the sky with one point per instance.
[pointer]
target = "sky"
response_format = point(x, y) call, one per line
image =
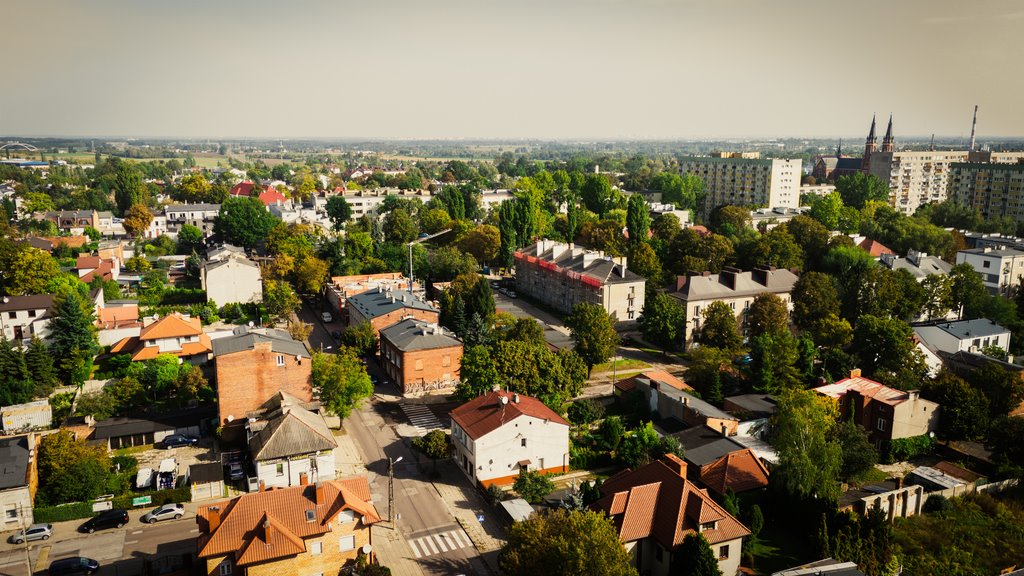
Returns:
point(511, 69)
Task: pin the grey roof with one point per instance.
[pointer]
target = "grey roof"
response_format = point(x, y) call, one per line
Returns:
point(412, 334)
point(214, 264)
point(714, 286)
point(919, 265)
point(601, 268)
point(826, 567)
point(14, 459)
point(192, 208)
point(291, 431)
point(121, 426)
point(964, 329)
point(30, 302)
point(208, 472)
point(755, 403)
point(695, 404)
point(994, 251)
point(374, 303)
point(702, 445)
point(225, 250)
point(280, 342)
point(972, 360)
point(517, 509)
point(930, 476)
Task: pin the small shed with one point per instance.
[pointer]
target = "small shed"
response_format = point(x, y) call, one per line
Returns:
point(517, 509)
point(206, 480)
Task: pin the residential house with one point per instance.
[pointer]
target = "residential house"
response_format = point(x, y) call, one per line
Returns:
point(19, 480)
point(750, 406)
point(29, 415)
point(962, 335)
point(290, 443)
point(744, 179)
point(22, 317)
point(385, 307)
point(669, 402)
point(266, 194)
point(116, 320)
point(199, 215)
point(229, 277)
point(720, 463)
point(74, 221)
point(253, 365)
point(91, 267)
point(654, 508)
point(498, 434)
point(563, 275)
point(734, 287)
point(626, 385)
point(341, 288)
point(301, 530)
point(1000, 267)
point(177, 334)
point(919, 264)
point(874, 248)
point(886, 413)
point(420, 356)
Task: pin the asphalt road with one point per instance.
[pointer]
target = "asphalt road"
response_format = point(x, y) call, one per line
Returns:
point(120, 551)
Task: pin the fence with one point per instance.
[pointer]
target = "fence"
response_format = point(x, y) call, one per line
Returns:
point(81, 510)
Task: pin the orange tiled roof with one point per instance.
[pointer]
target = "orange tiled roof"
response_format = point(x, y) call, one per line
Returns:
point(262, 526)
point(139, 351)
point(656, 501)
point(486, 413)
point(865, 387)
point(740, 471)
point(173, 325)
point(628, 384)
point(117, 314)
point(874, 248)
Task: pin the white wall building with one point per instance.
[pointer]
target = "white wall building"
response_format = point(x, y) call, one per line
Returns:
point(228, 276)
point(746, 181)
point(291, 445)
point(22, 317)
point(1000, 268)
point(36, 414)
point(963, 335)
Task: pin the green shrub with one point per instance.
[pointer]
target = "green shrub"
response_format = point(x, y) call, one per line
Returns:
point(63, 513)
point(902, 449)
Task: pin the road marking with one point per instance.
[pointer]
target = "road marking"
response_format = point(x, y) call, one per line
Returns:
point(439, 538)
point(421, 418)
point(194, 531)
point(136, 532)
point(440, 543)
point(131, 541)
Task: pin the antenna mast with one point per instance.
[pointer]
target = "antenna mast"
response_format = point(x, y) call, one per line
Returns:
point(974, 125)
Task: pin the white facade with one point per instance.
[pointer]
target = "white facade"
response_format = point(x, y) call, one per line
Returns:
point(232, 280)
point(495, 456)
point(286, 472)
point(656, 559)
point(963, 335)
point(22, 317)
point(1000, 268)
point(366, 202)
point(199, 215)
point(29, 415)
point(747, 181)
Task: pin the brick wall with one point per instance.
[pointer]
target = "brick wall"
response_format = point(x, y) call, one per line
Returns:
point(423, 370)
point(247, 379)
point(381, 322)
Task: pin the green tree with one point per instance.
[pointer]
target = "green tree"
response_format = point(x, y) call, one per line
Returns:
point(611, 432)
point(644, 445)
point(773, 365)
point(885, 345)
point(340, 380)
point(360, 337)
point(719, 328)
point(663, 320)
point(435, 220)
point(578, 543)
point(597, 194)
point(279, 298)
point(17, 380)
point(137, 219)
point(814, 298)
point(938, 296)
point(399, 227)
point(190, 239)
point(507, 230)
point(39, 361)
point(533, 486)
point(28, 271)
point(482, 243)
point(965, 409)
point(968, 290)
point(129, 189)
point(1003, 388)
point(243, 221)
point(858, 189)
point(729, 220)
point(859, 455)
point(638, 219)
point(73, 338)
point(70, 470)
point(477, 373)
point(809, 459)
point(700, 559)
point(644, 261)
point(827, 209)
point(194, 188)
point(338, 211)
point(434, 445)
point(593, 332)
point(585, 411)
point(767, 314)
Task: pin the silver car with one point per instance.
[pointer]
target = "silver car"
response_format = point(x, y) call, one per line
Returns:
point(33, 532)
point(165, 512)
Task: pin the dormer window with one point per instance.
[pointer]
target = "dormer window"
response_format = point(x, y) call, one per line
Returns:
point(346, 516)
point(708, 526)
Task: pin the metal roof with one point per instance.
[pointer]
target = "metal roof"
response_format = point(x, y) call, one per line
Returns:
point(291, 431)
point(280, 342)
point(965, 329)
point(14, 460)
point(374, 303)
point(702, 445)
point(412, 334)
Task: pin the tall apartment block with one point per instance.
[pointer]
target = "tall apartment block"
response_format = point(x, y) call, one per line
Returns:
point(744, 181)
point(995, 190)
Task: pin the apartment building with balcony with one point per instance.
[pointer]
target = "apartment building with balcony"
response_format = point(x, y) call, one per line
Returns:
point(735, 180)
point(995, 190)
point(999, 267)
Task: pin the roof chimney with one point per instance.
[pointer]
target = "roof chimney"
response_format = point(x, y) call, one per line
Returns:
point(675, 464)
point(321, 494)
point(213, 518)
point(267, 529)
point(855, 373)
point(263, 486)
point(515, 398)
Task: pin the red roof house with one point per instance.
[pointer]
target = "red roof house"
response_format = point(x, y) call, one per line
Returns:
point(268, 194)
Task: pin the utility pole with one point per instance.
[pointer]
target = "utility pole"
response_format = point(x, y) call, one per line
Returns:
point(391, 489)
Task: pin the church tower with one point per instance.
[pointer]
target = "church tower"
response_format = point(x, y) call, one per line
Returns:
point(887, 142)
point(870, 146)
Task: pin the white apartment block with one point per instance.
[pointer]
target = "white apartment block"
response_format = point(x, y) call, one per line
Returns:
point(1000, 268)
point(366, 202)
point(199, 215)
point(773, 183)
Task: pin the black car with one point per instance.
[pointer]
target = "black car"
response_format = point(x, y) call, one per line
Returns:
point(74, 565)
point(108, 519)
point(178, 440)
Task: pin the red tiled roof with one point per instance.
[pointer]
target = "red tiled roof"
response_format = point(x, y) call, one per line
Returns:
point(117, 314)
point(268, 194)
point(242, 189)
point(88, 262)
point(271, 196)
point(173, 325)
point(865, 387)
point(628, 384)
point(875, 249)
point(483, 415)
point(262, 526)
point(656, 501)
point(739, 471)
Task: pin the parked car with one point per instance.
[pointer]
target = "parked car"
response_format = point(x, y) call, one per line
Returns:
point(108, 519)
point(34, 532)
point(74, 565)
point(326, 317)
point(235, 471)
point(165, 512)
point(178, 440)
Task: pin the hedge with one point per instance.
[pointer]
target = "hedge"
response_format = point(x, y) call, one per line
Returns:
point(82, 510)
point(902, 449)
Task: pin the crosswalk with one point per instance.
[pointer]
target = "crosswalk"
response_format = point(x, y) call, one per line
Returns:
point(440, 543)
point(421, 418)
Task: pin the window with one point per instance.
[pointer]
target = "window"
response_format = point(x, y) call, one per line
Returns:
point(985, 264)
point(225, 568)
point(707, 526)
point(881, 424)
point(347, 543)
point(280, 469)
point(280, 360)
point(12, 314)
point(723, 552)
point(346, 516)
point(522, 443)
point(12, 514)
point(31, 313)
point(316, 548)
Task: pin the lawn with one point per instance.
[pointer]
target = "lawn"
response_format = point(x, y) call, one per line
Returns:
point(622, 365)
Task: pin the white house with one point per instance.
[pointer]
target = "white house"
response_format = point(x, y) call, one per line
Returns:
point(500, 433)
point(200, 215)
point(290, 444)
point(228, 276)
point(962, 335)
point(22, 317)
point(18, 481)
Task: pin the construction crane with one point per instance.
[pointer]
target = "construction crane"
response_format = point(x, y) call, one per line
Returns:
point(420, 240)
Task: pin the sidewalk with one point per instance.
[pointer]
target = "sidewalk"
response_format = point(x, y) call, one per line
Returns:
point(467, 506)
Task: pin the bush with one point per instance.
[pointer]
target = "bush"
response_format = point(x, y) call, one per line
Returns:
point(937, 503)
point(585, 411)
point(159, 498)
point(63, 513)
point(902, 449)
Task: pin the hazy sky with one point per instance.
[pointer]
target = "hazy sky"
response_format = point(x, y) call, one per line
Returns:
point(510, 68)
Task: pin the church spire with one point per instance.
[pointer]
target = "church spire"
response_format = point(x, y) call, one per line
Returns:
point(839, 149)
point(887, 142)
point(870, 146)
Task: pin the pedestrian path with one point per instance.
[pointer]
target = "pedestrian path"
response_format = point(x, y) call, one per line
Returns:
point(422, 419)
point(439, 543)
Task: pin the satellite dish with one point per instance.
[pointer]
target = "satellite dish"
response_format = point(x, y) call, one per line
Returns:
point(251, 324)
point(504, 400)
point(367, 548)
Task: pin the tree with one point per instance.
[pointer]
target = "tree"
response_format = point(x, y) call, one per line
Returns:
point(507, 230)
point(719, 329)
point(638, 219)
point(809, 459)
point(137, 219)
point(729, 220)
point(663, 320)
point(884, 345)
point(279, 298)
point(434, 445)
point(938, 296)
point(129, 189)
point(965, 410)
point(774, 357)
point(577, 543)
point(338, 211)
point(1003, 388)
point(482, 243)
point(859, 455)
point(28, 271)
point(309, 274)
point(73, 338)
point(361, 337)
point(399, 227)
point(814, 298)
point(435, 220)
point(968, 290)
point(597, 194)
point(243, 221)
point(190, 239)
point(39, 361)
point(644, 445)
point(585, 411)
point(767, 314)
point(477, 373)
point(340, 380)
point(17, 380)
point(857, 189)
point(700, 559)
point(593, 332)
point(533, 486)
point(827, 209)
point(70, 470)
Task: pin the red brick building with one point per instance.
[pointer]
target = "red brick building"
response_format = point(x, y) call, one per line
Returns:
point(420, 356)
point(383, 307)
point(253, 366)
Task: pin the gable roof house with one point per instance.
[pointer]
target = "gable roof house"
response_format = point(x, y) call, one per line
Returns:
point(497, 434)
point(176, 333)
point(719, 462)
point(290, 443)
point(669, 402)
point(22, 317)
point(384, 307)
point(654, 508)
point(91, 267)
point(229, 277)
point(19, 479)
point(628, 384)
point(267, 194)
point(312, 529)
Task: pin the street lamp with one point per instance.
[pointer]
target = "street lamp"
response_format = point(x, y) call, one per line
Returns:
point(391, 487)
